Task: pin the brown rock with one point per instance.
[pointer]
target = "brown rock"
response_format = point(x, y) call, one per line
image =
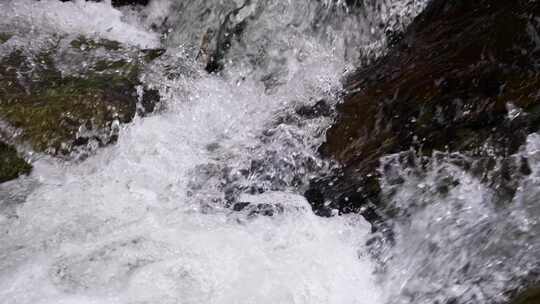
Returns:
point(465, 74)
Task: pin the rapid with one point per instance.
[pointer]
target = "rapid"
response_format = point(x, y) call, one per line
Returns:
point(148, 220)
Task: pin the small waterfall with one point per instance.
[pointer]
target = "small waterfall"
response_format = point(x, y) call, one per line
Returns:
point(200, 201)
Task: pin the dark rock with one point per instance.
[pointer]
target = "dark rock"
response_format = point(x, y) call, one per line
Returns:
point(118, 3)
point(11, 165)
point(315, 198)
point(149, 100)
point(85, 44)
point(130, 2)
point(151, 54)
point(321, 108)
point(258, 209)
point(267, 204)
point(240, 206)
point(464, 76)
point(231, 28)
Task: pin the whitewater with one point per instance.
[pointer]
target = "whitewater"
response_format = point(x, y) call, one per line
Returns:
point(148, 220)
point(140, 222)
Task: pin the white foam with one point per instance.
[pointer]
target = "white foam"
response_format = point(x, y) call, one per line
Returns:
point(143, 221)
point(121, 227)
point(75, 17)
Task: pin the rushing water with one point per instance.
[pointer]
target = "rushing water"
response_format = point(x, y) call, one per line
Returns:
point(458, 239)
point(146, 220)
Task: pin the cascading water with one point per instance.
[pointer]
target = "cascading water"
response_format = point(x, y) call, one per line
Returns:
point(456, 240)
point(148, 219)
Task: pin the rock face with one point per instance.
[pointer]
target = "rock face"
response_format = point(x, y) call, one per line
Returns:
point(465, 77)
point(72, 94)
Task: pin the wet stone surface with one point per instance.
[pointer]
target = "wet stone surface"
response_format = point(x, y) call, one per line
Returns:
point(464, 78)
point(117, 3)
point(72, 95)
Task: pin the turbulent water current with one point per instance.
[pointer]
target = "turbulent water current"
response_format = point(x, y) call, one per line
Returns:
point(147, 219)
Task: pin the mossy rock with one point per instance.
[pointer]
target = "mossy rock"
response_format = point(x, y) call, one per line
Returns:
point(4, 37)
point(86, 44)
point(528, 296)
point(11, 165)
point(56, 113)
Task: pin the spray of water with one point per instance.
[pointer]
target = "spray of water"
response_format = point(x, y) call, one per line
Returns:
point(148, 219)
point(457, 238)
point(145, 221)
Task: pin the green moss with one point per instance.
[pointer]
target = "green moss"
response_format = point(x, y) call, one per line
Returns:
point(84, 44)
point(151, 54)
point(51, 109)
point(50, 120)
point(11, 165)
point(50, 116)
point(103, 65)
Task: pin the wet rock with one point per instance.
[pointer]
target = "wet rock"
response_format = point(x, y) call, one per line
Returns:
point(464, 77)
point(4, 37)
point(320, 108)
point(64, 99)
point(129, 2)
point(269, 204)
point(216, 44)
point(528, 296)
point(85, 44)
point(258, 209)
point(117, 3)
point(150, 99)
point(11, 165)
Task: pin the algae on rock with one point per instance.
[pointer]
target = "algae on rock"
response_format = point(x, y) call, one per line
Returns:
point(57, 108)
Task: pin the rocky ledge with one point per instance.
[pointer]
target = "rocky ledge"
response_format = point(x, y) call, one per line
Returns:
point(69, 94)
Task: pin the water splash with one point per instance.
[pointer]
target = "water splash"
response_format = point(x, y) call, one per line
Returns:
point(148, 220)
point(145, 221)
point(457, 238)
point(46, 17)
